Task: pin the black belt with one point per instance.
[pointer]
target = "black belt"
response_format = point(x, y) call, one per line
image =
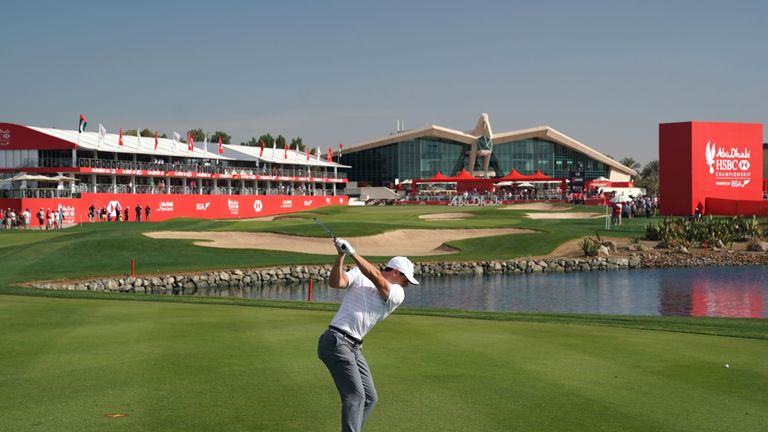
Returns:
point(345, 335)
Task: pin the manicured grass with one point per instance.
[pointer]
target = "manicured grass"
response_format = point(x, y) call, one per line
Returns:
point(184, 367)
point(224, 364)
point(107, 248)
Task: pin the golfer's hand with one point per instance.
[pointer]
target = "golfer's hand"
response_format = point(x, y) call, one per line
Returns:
point(343, 247)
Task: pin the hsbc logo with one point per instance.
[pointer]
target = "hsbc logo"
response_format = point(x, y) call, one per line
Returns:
point(202, 206)
point(258, 206)
point(730, 167)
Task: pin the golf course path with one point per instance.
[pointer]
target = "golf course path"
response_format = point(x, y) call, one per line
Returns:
point(413, 242)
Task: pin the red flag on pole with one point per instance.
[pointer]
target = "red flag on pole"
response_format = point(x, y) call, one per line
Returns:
point(190, 143)
point(221, 146)
point(262, 148)
point(120, 138)
point(306, 150)
point(286, 150)
point(156, 140)
point(330, 155)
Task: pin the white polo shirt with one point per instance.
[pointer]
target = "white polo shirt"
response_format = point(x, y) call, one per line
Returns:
point(363, 307)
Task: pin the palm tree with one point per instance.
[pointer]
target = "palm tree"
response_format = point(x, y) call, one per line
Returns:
point(649, 178)
point(631, 163)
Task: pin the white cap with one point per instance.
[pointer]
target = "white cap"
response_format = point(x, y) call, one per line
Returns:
point(404, 266)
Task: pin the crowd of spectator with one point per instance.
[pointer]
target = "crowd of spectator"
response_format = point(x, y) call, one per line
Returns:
point(633, 207)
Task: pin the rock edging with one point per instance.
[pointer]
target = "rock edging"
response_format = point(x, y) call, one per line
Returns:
point(221, 282)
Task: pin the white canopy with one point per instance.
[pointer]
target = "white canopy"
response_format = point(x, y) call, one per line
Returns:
point(276, 156)
point(165, 146)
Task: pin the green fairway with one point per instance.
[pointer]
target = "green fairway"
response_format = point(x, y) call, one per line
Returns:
point(107, 248)
point(178, 367)
point(224, 364)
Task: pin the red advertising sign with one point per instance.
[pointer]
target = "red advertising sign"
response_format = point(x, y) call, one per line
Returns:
point(164, 207)
point(700, 160)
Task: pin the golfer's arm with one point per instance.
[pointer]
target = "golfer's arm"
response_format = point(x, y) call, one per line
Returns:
point(374, 275)
point(338, 279)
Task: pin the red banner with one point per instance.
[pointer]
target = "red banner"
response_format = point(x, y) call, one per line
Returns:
point(164, 207)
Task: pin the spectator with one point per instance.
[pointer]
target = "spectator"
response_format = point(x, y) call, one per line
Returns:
point(138, 213)
point(41, 218)
point(146, 213)
point(126, 214)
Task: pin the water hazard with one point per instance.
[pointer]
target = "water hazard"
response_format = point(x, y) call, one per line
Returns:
point(715, 291)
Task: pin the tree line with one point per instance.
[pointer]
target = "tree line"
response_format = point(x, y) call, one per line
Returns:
point(198, 135)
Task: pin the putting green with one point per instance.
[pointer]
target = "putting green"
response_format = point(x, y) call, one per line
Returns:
point(180, 367)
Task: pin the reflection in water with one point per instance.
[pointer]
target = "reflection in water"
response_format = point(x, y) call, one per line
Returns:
point(721, 291)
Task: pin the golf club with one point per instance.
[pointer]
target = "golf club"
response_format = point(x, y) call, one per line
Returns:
point(317, 221)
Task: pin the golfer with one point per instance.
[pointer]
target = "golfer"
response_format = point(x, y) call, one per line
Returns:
point(371, 296)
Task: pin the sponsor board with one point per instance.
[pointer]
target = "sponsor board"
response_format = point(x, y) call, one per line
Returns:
point(166, 207)
point(700, 161)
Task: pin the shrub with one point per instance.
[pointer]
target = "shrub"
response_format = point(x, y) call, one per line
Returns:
point(589, 246)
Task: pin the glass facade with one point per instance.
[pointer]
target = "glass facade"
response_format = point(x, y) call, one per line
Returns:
point(414, 159)
point(553, 159)
point(424, 157)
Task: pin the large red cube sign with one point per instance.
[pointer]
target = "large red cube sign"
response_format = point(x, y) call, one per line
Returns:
point(700, 160)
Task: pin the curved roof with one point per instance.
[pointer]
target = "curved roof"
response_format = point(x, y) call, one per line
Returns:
point(167, 147)
point(542, 132)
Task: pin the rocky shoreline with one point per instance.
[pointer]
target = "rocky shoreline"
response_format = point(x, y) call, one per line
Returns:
point(235, 281)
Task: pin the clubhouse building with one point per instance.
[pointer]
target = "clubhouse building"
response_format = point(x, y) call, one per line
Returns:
point(422, 153)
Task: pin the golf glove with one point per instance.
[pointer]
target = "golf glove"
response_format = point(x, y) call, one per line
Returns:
point(343, 247)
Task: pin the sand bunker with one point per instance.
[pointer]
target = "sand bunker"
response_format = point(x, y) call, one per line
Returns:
point(573, 215)
point(412, 242)
point(445, 216)
point(536, 206)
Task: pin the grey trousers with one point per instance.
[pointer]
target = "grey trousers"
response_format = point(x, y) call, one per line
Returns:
point(344, 359)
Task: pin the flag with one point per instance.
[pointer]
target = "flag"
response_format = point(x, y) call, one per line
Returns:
point(221, 146)
point(306, 150)
point(102, 134)
point(176, 139)
point(318, 154)
point(83, 122)
point(330, 155)
point(205, 145)
point(156, 140)
point(262, 148)
point(190, 143)
point(138, 138)
point(120, 138)
point(340, 146)
point(286, 150)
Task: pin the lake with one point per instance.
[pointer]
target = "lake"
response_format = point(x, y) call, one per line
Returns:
point(712, 291)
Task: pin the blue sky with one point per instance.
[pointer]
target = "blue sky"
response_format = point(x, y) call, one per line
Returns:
point(603, 72)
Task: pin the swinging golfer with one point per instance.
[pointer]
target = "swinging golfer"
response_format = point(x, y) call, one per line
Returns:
point(371, 296)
